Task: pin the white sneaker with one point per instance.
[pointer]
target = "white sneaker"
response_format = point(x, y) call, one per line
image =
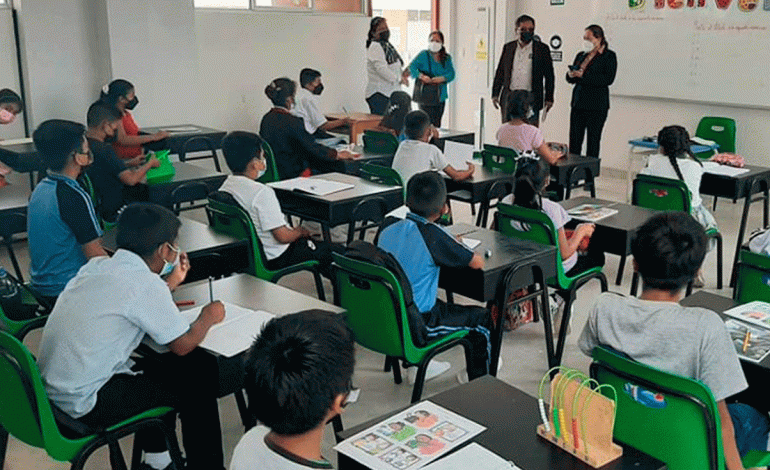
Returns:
point(435, 368)
point(462, 376)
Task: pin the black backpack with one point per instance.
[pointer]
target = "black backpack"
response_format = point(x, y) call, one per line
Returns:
point(365, 251)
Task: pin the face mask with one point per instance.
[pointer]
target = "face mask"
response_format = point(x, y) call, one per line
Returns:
point(319, 89)
point(434, 46)
point(6, 117)
point(261, 173)
point(168, 268)
point(385, 35)
point(526, 36)
point(132, 104)
point(588, 46)
point(530, 113)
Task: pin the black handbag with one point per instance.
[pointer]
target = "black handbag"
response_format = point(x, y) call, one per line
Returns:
point(427, 94)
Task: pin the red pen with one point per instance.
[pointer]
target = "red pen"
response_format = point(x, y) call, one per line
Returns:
point(185, 303)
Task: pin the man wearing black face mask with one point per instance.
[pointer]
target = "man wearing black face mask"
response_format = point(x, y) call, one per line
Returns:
point(306, 105)
point(525, 65)
point(114, 182)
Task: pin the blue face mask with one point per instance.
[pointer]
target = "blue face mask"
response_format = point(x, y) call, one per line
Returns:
point(168, 268)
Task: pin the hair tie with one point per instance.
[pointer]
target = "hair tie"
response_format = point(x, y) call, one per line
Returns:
point(106, 89)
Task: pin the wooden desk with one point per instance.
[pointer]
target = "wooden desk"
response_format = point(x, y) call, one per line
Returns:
point(511, 417)
point(160, 193)
point(176, 140)
point(614, 233)
point(211, 253)
point(571, 169)
point(360, 122)
point(464, 137)
point(336, 208)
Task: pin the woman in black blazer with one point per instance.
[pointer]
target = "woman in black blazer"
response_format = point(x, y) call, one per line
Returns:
point(592, 73)
point(296, 151)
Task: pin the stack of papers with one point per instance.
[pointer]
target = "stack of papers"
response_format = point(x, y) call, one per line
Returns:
point(591, 212)
point(235, 333)
point(314, 186)
point(458, 154)
point(724, 170)
point(750, 331)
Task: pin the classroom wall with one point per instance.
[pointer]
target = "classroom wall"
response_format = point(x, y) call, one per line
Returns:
point(9, 76)
point(631, 117)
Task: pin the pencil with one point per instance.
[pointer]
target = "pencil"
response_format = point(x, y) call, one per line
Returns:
point(211, 289)
point(746, 340)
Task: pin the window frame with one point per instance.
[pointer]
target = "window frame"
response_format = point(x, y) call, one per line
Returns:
point(253, 7)
point(8, 4)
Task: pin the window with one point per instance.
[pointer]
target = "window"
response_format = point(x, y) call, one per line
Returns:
point(5, 3)
point(326, 6)
point(409, 22)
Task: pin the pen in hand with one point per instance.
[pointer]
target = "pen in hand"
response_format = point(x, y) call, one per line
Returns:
point(211, 290)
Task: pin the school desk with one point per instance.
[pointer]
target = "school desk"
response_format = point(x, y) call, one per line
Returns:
point(566, 172)
point(15, 196)
point(160, 193)
point(463, 137)
point(511, 418)
point(615, 232)
point(529, 262)
point(22, 158)
point(336, 208)
point(359, 123)
point(353, 167)
point(477, 186)
point(211, 253)
point(176, 140)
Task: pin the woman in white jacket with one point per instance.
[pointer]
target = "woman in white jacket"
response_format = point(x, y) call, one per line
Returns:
point(383, 67)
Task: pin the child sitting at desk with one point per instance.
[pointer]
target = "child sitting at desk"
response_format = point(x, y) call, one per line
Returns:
point(298, 377)
point(283, 245)
point(100, 319)
point(109, 175)
point(121, 95)
point(416, 155)
point(518, 134)
point(421, 247)
point(296, 151)
point(689, 341)
point(307, 105)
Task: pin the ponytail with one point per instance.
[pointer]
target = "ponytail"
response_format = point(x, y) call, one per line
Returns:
point(675, 141)
point(279, 90)
point(530, 179)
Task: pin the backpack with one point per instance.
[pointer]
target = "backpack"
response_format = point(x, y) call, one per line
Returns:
point(365, 251)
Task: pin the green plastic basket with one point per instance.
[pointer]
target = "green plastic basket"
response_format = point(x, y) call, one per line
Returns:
point(165, 172)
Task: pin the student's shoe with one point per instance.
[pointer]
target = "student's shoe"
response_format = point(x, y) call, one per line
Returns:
point(435, 368)
point(146, 466)
point(462, 376)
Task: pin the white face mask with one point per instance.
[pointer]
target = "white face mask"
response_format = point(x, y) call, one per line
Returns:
point(168, 268)
point(261, 173)
point(434, 46)
point(588, 46)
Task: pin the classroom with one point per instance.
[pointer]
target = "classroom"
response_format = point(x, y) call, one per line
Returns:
point(205, 65)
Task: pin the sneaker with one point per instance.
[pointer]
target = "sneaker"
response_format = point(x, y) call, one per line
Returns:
point(146, 466)
point(462, 376)
point(435, 368)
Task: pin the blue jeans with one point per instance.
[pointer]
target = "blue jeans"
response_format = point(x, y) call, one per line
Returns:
point(751, 428)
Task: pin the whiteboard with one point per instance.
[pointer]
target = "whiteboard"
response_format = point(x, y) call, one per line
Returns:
point(694, 52)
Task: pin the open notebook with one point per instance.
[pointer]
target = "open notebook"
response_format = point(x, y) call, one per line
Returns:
point(235, 333)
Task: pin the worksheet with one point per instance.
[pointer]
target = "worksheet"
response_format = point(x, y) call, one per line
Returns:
point(314, 186)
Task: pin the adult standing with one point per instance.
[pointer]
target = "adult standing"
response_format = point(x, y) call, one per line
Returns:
point(592, 73)
point(433, 66)
point(383, 66)
point(525, 65)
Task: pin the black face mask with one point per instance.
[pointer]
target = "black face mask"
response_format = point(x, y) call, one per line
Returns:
point(319, 89)
point(385, 35)
point(132, 103)
point(526, 36)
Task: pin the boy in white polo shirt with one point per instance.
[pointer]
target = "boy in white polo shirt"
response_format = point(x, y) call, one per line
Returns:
point(307, 108)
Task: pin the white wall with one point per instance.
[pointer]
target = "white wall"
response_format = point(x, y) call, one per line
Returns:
point(631, 117)
point(9, 76)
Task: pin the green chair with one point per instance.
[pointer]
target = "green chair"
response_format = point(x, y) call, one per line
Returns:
point(683, 430)
point(753, 280)
point(379, 142)
point(27, 414)
point(666, 194)
point(719, 129)
point(226, 216)
point(271, 172)
point(499, 158)
point(534, 225)
point(382, 175)
point(377, 315)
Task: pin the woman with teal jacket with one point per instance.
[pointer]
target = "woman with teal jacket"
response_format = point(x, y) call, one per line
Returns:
point(433, 65)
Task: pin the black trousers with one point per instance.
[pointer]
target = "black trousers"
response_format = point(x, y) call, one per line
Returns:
point(435, 111)
point(179, 383)
point(306, 249)
point(582, 122)
point(453, 315)
point(378, 104)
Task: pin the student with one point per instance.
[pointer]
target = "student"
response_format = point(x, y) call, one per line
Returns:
point(415, 154)
point(422, 248)
point(10, 106)
point(298, 377)
point(62, 225)
point(116, 301)
point(307, 105)
point(759, 242)
point(399, 105)
point(109, 175)
point(689, 341)
point(296, 151)
point(283, 245)
point(518, 134)
point(121, 95)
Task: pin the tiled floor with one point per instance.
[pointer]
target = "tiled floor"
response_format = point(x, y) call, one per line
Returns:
point(523, 350)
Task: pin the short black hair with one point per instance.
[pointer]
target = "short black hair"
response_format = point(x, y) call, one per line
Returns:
point(56, 140)
point(11, 97)
point(416, 123)
point(143, 227)
point(239, 148)
point(426, 193)
point(99, 112)
point(669, 250)
point(518, 105)
point(524, 19)
point(296, 368)
point(280, 89)
point(307, 75)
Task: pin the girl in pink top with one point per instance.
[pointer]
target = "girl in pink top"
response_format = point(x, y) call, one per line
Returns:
point(518, 134)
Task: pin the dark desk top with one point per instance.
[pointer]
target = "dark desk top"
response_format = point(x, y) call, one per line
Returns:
point(450, 134)
point(201, 130)
point(176, 140)
point(362, 189)
point(511, 417)
point(628, 218)
point(160, 193)
point(22, 158)
point(506, 252)
point(734, 186)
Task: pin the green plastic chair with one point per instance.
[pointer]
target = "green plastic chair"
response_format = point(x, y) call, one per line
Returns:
point(753, 280)
point(381, 175)
point(685, 432)
point(499, 158)
point(27, 414)
point(536, 226)
point(226, 216)
point(379, 142)
point(666, 194)
point(377, 315)
point(719, 129)
point(271, 172)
